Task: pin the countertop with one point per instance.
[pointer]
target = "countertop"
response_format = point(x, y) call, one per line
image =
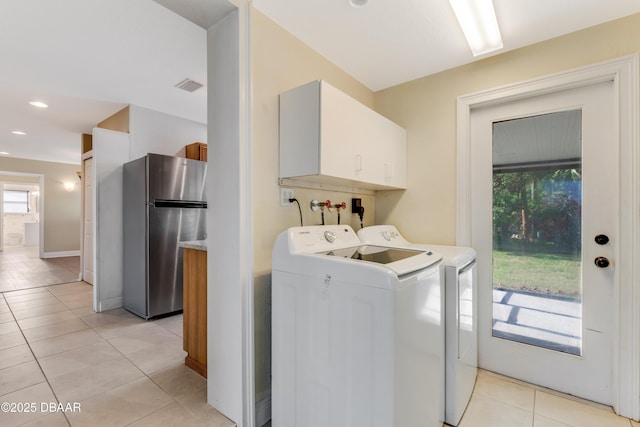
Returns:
point(200, 245)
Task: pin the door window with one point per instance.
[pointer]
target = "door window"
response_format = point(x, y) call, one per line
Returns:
point(537, 208)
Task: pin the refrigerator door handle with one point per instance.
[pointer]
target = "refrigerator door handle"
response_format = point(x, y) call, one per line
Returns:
point(189, 204)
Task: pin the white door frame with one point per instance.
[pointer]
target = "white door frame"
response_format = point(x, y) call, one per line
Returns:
point(624, 74)
point(40, 206)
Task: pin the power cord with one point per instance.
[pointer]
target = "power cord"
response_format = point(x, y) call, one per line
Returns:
point(299, 210)
point(361, 215)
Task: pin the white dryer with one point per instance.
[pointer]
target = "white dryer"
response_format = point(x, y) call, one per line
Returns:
point(461, 314)
point(358, 332)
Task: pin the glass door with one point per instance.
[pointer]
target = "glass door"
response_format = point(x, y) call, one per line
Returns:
point(544, 185)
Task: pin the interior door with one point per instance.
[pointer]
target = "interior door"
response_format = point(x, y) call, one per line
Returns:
point(87, 179)
point(545, 183)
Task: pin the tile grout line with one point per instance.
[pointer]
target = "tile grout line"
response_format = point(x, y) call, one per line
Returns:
point(36, 359)
point(535, 399)
point(135, 365)
point(105, 340)
point(144, 374)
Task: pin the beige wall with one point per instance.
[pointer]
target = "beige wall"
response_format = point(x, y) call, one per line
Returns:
point(281, 62)
point(61, 208)
point(426, 107)
point(118, 121)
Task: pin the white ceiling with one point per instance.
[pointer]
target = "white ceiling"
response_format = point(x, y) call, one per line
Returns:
point(89, 58)
point(388, 42)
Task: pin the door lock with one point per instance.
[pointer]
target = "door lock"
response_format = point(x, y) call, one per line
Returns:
point(601, 262)
point(601, 239)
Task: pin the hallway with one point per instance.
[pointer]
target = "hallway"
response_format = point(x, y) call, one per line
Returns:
point(21, 268)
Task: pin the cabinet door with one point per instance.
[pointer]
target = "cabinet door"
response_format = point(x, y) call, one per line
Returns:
point(383, 156)
point(342, 133)
point(329, 137)
point(394, 163)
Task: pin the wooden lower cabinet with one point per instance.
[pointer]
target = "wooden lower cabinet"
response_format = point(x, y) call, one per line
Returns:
point(195, 309)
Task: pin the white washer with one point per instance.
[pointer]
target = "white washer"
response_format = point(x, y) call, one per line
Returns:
point(358, 332)
point(461, 336)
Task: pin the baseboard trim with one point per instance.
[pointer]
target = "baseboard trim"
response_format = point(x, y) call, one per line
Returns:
point(61, 254)
point(109, 304)
point(263, 411)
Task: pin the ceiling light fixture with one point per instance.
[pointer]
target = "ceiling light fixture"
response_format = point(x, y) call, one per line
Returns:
point(3, 153)
point(18, 132)
point(358, 3)
point(479, 25)
point(38, 104)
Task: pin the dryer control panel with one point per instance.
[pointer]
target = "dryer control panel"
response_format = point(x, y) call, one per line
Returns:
point(379, 234)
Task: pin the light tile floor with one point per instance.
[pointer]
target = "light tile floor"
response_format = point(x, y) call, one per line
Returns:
point(499, 401)
point(120, 370)
point(22, 268)
point(124, 371)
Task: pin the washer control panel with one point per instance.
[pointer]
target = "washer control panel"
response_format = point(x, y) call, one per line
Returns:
point(318, 238)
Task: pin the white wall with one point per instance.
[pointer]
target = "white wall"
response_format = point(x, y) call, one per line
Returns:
point(230, 379)
point(159, 133)
point(426, 107)
point(110, 152)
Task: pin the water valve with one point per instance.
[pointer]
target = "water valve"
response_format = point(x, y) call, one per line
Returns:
point(316, 204)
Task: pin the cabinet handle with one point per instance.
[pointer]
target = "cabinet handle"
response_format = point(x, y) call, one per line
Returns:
point(358, 162)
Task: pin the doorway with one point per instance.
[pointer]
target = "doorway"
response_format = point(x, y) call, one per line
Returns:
point(543, 185)
point(602, 363)
point(20, 215)
point(24, 205)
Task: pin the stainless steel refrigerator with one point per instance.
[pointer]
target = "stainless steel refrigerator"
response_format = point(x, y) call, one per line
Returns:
point(164, 203)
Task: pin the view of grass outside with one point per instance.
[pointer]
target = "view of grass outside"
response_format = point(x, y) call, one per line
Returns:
point(544, 273)
point(537, 223)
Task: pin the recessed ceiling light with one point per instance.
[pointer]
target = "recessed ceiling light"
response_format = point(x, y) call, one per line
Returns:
point(3, 153)
point(358, 3)
point(18, 132)
point(38, 104)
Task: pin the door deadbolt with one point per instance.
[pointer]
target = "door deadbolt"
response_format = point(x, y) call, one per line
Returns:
point(601, 239)
point(601, 262)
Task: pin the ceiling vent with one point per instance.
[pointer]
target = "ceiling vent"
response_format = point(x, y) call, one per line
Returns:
point(189, 85)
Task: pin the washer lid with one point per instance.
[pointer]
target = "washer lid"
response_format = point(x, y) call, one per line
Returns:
point(314, 249)
point(400, 260)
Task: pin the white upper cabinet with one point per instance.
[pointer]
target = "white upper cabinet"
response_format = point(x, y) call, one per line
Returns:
point(328, 137)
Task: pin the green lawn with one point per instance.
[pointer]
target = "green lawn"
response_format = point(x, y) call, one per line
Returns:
point(551, 274)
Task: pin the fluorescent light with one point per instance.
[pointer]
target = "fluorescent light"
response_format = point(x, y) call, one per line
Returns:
point(479, 24)
point(18, 132)
point(38, 104)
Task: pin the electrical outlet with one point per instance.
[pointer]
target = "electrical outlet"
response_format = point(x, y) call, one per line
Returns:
point(285, 195)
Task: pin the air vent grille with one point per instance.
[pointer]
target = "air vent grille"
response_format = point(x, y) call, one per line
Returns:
point(189, 85)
